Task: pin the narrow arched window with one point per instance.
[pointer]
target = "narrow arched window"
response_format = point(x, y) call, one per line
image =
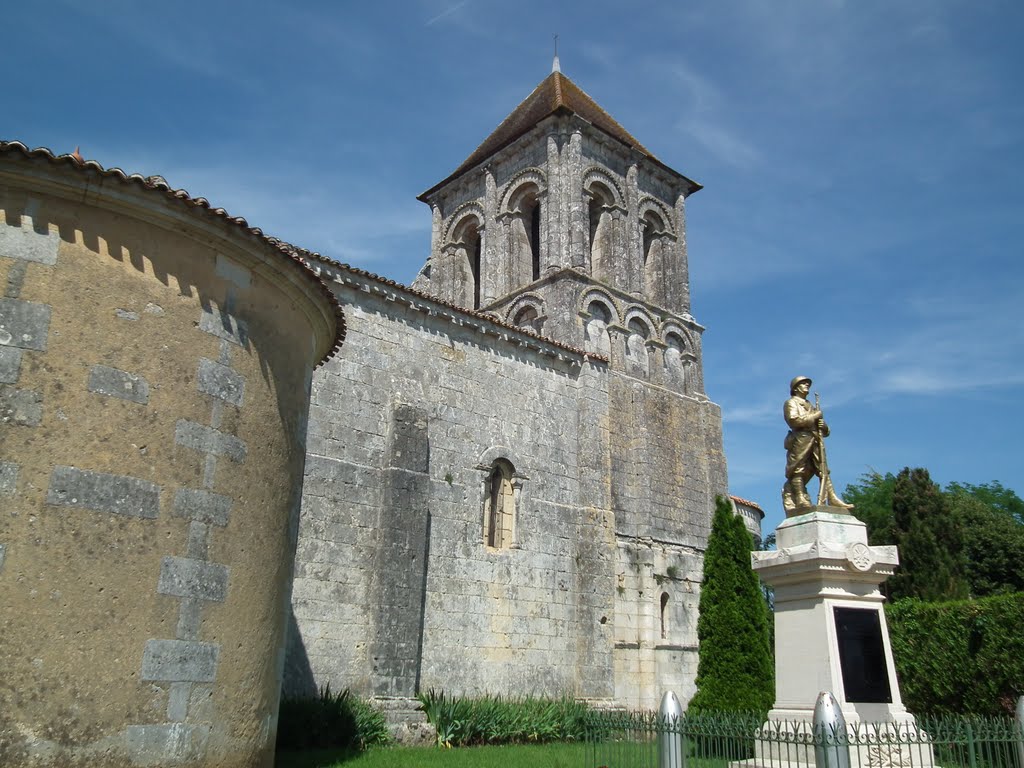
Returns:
point(654, 258)
point(461, 275)
point(476, 271)
point(596, 329)
point(653, 227)
point(535, 239)
point(664, 615)
point(524, 232)
point(501, 506)
point(636, 348)
point(527, 317)
point(675, 362)
point(602, 225)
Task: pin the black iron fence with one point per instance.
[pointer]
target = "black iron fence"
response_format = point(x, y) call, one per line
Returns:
point(619, 740)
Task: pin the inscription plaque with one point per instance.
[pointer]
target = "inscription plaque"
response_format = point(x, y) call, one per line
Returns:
point(862, 655)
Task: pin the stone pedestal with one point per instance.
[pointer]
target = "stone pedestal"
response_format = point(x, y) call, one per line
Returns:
point(827, 607)
point(830, 629)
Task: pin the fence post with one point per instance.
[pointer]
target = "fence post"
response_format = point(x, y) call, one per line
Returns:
point(831, 743)
point(670, 733)
point(1019, 721)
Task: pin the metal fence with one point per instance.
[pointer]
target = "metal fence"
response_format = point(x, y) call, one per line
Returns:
point(721, 740)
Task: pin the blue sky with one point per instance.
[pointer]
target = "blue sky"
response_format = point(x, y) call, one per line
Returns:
point(861, 222)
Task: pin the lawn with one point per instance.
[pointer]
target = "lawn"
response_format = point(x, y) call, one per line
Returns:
point(517, 756)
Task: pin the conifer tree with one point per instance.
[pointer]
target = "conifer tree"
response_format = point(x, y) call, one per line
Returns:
point(735, 671)
point(929, 539)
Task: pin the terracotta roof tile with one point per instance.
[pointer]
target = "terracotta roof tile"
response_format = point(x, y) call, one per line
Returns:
point(747, 503)
point(556, 93)
point(158, 185)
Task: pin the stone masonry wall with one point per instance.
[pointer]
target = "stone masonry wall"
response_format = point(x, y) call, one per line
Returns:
point(395, 589)
point(151, 424)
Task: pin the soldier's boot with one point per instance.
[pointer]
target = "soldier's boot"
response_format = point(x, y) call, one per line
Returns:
point(788, 505)
point(800, 497)
point(833, 497)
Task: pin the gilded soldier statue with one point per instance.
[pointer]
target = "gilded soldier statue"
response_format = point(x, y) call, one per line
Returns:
point(805, 452)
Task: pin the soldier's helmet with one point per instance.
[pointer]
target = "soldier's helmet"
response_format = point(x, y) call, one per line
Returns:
point(796, 380)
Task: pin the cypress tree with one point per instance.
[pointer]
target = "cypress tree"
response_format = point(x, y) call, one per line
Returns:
point(735, 671)
point(929, 539)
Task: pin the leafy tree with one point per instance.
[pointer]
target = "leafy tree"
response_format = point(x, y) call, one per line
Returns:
point(994, 496)
point(993, 540)
point(872, 505)
point(990, 519)
point(735, 671)
point(929, 538)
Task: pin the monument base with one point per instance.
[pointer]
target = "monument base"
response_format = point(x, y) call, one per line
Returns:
point(831, 635)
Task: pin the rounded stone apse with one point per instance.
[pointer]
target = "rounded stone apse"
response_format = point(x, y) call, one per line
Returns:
point(155, 366)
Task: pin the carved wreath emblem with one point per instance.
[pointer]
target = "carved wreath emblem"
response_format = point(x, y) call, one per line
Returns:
point(859, 556)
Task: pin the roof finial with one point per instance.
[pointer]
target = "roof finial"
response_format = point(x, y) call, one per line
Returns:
point(555, 66)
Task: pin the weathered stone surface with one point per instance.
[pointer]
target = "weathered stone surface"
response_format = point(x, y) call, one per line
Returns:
point(20, 406)
point(8, 478)
point(203, 506)
point(101, 492)
point(10, 364)
point(224, 325)
point(26, 243)
point(221, 382)
point(206, 439)
point(185, 577)
point(109, 574)
point(24, 324)
point(168, 744)
point(112, 382)
point(180, 661)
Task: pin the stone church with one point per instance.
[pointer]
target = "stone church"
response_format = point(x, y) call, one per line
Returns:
point(512, 464)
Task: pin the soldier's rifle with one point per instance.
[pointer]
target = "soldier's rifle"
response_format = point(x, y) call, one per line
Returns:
point(819, 432)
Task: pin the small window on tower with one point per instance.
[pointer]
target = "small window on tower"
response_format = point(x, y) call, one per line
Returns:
point(527, 317)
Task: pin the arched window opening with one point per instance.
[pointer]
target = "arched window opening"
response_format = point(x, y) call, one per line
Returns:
point(535, 239)
point(594, 213)
point(476, 271)
point(602, 202)
point(638, 328)
point(527, 317)
point(500, 506)
point(599, 311)
point(465, 265)
point(653, 229)
point(524, 224)
point(664, 615)
point(636, 348)
point(676, 361)
point(596, 335)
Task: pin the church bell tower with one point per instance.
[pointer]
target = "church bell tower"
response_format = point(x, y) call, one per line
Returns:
point(562, 223)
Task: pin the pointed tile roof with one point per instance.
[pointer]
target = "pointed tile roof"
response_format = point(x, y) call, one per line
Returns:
point(555, 94)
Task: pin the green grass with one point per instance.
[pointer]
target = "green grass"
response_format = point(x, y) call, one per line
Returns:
point(512, 756)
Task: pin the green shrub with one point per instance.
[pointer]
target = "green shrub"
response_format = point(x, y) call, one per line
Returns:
point(332, 720)
point(960, 657)
point(497, 720)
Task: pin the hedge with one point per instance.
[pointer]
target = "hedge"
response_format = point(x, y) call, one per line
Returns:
point(959, 657)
